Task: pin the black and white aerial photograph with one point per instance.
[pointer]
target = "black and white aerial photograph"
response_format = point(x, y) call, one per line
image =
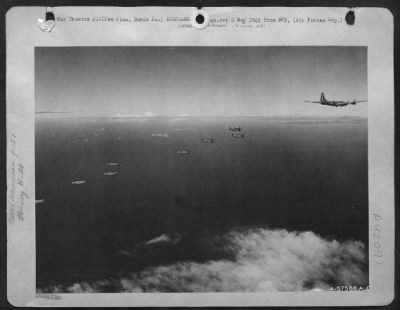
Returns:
point(201, 169)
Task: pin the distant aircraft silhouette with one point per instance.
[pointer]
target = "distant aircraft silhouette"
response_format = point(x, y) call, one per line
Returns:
point(79, 182)
point(111, 173)
point(334, 103)
point(238, 135)
point(183, 152)
point(206, 140)
point(112, 164)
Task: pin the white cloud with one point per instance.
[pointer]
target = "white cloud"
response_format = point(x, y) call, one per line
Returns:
point(265, 260)
point(150, 114)
point(146, 114)
point(126, 115)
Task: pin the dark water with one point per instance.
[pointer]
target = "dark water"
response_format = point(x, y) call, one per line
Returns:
point(297, 174)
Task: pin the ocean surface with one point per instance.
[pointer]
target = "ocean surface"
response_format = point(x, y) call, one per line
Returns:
point(125, 203)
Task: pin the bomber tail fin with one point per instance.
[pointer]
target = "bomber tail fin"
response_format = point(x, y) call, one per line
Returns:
point(323, 99)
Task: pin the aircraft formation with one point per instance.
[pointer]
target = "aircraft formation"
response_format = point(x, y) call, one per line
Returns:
point(236, 133)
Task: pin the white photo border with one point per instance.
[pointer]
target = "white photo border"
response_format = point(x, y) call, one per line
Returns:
point(373, 28)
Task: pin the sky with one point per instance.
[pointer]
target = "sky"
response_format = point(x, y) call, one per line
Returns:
point(200, 81)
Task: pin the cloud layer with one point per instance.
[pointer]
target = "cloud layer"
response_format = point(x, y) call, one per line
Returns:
point(264, 260)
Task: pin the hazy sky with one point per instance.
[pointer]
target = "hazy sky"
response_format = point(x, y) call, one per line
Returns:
point(210, 81)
